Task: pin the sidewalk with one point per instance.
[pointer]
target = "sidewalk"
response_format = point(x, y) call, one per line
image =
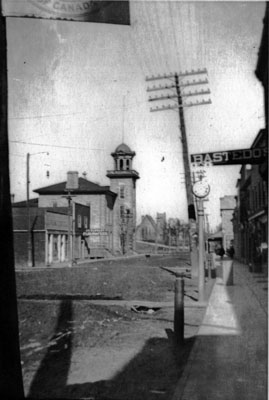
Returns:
point(229, 357)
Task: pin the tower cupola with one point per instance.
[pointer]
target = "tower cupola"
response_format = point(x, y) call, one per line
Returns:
point(123, 157)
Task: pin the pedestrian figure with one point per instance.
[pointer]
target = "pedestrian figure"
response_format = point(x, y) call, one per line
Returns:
point(221, 252)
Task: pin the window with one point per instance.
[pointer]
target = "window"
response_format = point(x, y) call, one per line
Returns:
point(79, 221)
point(121, 211)
point(128, 164)
point(85, 222)
point(121, 164)
point(121, 192)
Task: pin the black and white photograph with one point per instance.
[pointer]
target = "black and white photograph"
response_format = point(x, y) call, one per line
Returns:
point(134, 200)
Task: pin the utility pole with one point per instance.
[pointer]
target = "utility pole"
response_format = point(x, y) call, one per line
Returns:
point(201, 280)
point(70, 227)
point(175, 91)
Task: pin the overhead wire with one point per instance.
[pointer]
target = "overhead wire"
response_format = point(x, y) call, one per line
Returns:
point(53, 145)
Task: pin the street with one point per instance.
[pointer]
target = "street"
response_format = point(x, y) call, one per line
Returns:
point(116, 347)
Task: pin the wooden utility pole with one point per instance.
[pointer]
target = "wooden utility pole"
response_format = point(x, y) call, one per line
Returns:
point(174, 90)
point(201, 280)
point(11, 384)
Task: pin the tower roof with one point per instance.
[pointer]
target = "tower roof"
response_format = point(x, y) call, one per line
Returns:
point(123, 148)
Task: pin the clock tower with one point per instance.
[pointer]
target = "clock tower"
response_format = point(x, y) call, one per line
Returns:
point(123, 182)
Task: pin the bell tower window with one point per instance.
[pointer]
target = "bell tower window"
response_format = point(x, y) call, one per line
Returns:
point(121, 164)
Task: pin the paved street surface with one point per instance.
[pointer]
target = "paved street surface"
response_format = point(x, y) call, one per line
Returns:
point(229, 357)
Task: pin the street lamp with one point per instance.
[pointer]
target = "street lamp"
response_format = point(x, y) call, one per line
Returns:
point(29, 239)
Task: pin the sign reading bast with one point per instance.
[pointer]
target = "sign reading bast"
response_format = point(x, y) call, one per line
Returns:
point(230, 157)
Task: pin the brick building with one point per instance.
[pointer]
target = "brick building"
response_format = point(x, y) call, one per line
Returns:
point(100, 220)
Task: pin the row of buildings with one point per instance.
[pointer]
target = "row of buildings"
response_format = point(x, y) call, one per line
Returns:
point(250, 221)
point(170, 232)
point(250, 218)
point(79, 219)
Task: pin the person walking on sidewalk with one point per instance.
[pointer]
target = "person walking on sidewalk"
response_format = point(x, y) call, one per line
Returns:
point(221, 252)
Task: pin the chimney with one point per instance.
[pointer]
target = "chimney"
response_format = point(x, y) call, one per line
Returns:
point(72, 180)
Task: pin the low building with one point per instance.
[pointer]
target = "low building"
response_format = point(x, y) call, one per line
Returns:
point(47, 239)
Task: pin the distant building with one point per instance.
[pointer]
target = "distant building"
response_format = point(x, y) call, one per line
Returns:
point(173, 233)
point(146, 230)
point(102, 219)
point(227, 206)
point(161, 228)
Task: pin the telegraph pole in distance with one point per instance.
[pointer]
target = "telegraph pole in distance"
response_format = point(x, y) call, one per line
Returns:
point(174, 90)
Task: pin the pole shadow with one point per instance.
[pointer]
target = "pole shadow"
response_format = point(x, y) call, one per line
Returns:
point(50, 380)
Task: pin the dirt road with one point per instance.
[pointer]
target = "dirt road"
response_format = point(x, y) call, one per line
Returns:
point(81, 349)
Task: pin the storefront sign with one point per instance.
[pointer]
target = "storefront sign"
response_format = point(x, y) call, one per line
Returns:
point(95, 232)
point(110, 12)
point(231, 157)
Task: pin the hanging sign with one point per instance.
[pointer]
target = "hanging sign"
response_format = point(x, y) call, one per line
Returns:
point(109, 12)
point(231, 157)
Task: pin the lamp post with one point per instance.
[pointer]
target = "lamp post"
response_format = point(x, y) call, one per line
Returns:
point(29, 239)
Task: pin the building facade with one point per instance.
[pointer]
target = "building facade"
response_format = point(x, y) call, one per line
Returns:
point(250, 219)
point(123, 182)
point(81, 219)
point(48, 237)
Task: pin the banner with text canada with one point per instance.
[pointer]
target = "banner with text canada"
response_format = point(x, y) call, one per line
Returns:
point(109, 12)
point(231, 157)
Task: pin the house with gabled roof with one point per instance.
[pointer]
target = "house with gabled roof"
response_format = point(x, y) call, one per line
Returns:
point(147, 229)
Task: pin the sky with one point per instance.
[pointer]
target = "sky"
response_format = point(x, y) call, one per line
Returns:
point(77, 90)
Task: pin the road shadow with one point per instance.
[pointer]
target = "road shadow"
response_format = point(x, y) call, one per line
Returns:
point(154, 371)
point(50, 379)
